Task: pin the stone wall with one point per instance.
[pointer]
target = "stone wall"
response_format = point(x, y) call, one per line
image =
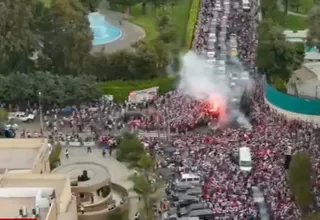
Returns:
point(103, 214)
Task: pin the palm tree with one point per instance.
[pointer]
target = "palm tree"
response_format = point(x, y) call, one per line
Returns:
point(145, 189)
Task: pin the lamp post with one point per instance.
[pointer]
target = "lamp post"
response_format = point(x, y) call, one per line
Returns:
point(40, 112)
point(317, 91)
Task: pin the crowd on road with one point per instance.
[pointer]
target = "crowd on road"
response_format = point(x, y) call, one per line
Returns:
point(271, 137)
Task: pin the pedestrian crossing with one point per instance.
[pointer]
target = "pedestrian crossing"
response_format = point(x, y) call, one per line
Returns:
point(152, 134)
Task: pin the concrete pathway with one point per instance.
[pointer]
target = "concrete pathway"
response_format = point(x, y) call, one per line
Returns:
point(118, 171)
point(131, 33)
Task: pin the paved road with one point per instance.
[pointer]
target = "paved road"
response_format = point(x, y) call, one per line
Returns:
point(118, 171)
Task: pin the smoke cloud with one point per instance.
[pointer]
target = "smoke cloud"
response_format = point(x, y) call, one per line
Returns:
point(204, 83)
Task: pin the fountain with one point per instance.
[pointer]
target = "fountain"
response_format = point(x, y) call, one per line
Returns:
point(103, 32)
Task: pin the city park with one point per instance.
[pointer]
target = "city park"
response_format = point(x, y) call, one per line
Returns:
point(50, 51)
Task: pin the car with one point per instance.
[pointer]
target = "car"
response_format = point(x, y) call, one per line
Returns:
point(196, 206)
point(21, 116)
point(186, 200)
point(202, 213)
point(12, 126)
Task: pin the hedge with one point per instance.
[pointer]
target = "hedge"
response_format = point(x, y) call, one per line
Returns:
point(192, 21)
point(121, 89)
point(54, 158)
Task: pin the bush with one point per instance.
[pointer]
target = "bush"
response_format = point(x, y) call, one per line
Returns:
point(300, 180)
point(279, 83)
point(54, 158)
point(118, 215)
point(121, 89)
point(192, 21)
point(130, 149)
point(3, 115)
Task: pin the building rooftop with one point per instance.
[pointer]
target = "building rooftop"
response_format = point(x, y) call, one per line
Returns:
point(13, 204)
point(306, 81)
point(59, 182)
point(304, 74)
point(313, 56)
point(295, 34)
point(19, 154)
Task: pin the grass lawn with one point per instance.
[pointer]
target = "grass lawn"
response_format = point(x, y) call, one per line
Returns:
point(292, 22)
point(179, 15)
point(305, 6)
point(295, 23)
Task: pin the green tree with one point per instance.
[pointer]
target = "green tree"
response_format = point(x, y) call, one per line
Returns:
point(117, 215)
point(91, 5)
point(146, 162)
point(155, 54)
point(18, 42)
point(300, 52)
point(146, 189)
point(125, 4)
point(130, 149)
point(269, 8)
point(3, 115)
point(55, 90)
point(275, 55)
point(296, 4)
point(71, 43)
point(300, 172)
point(313, 23)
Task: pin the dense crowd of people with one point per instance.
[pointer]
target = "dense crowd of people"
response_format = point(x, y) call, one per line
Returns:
point(272, 134)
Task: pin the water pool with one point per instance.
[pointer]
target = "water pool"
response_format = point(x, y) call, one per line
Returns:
point(103, 32)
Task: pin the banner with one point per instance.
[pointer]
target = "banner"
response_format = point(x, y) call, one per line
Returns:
point(143, 95)
point(107, 98)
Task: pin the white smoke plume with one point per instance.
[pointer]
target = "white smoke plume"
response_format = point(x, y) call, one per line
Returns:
point(203, 83)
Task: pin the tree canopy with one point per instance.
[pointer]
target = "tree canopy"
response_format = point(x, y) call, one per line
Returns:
point(55, 90)
point(48, 50)
point(276, 56)
point(313, 23)
point(18, 42)
point(300, 172)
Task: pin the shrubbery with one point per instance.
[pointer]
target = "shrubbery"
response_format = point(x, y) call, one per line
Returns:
point(54, 158)
point(131, 150)
point(192, 21)
point(300, 172)
point(121, 89)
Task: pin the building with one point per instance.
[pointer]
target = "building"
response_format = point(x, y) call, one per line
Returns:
point(305, 81)
point(24, 155)
point(296, 36)
point(44, 196)
point(312, 54)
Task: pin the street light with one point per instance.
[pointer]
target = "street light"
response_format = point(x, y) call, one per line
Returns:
point(41, 118)
point(317, 91)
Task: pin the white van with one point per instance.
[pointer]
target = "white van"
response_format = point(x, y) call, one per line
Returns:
point(21, 116)
point(245, 162)
point(189, 178)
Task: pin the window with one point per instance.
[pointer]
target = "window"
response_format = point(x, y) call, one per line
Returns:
point(245, 163)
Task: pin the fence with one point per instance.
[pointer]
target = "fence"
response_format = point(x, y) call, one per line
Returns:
point(291, 103)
